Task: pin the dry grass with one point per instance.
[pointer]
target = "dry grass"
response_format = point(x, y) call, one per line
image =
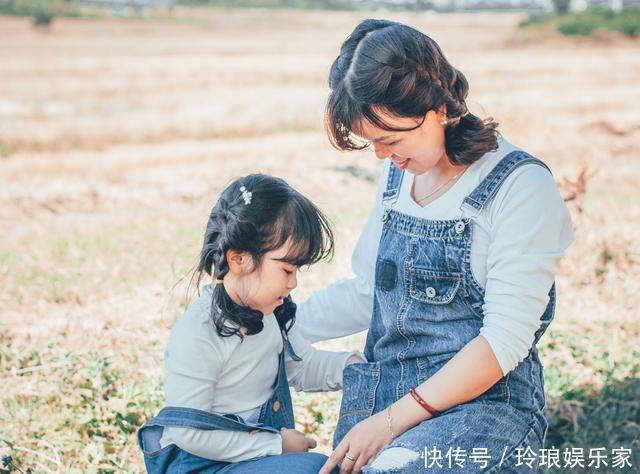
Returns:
point(117, 135)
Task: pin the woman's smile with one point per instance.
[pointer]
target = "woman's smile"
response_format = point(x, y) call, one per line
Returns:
point(401, 164)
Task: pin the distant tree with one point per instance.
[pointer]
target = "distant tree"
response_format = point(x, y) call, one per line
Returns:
point(561, 6)
point(43, 13)
point(336, 4)
point(423, 4)
point(416, 5)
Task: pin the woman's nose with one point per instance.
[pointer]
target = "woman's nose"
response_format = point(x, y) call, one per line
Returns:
point(381, 151)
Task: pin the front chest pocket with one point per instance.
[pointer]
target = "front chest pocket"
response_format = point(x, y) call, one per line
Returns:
point(434, 287)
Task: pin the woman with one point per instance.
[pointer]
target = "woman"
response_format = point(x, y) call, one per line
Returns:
point(454, 270)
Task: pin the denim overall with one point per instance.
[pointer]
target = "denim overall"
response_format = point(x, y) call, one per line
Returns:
point(275, 414)
point(427, 306)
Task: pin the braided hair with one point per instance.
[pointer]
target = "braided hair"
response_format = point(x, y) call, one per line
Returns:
point(273, 216)
point(385, 66)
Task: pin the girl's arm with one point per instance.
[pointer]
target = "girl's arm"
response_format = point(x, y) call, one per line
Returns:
point(227, 446)
point(345, 307)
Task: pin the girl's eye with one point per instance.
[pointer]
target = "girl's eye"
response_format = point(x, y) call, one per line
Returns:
point(288, 272)
point(392, 143)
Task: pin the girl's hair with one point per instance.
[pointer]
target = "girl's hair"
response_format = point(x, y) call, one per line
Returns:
point(385, 66)
point(274, 214)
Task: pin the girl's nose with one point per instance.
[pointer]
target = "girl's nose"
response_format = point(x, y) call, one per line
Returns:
point(293, 281)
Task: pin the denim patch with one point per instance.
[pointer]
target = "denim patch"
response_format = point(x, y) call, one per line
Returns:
point(387, 275)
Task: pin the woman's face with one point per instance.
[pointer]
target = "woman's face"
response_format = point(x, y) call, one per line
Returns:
point(416, 151)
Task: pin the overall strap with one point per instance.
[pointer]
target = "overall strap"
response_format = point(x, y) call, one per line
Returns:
point(286, 343)
point(202, 420)
point(490, 185)
point(289, 348)
point(150, 434)
point(394, 181)
point(392, 191)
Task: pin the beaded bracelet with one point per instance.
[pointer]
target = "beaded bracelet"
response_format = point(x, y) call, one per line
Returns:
point(422, 403)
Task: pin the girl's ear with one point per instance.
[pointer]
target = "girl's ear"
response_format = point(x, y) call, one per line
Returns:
point(239, 262)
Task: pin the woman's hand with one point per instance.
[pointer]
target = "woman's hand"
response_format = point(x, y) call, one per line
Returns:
point(361, 444)
point(294, 441)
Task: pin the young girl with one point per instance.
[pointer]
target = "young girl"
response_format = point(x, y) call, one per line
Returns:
point(233, 354)
point(454, 270)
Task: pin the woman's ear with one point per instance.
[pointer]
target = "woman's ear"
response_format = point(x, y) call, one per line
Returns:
point(239, 262)
point(442, 113)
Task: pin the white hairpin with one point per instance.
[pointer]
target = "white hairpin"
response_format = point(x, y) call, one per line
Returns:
point(246, 195)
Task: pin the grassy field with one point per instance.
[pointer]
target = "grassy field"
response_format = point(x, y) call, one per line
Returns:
point(595, 22)
point(117, 135)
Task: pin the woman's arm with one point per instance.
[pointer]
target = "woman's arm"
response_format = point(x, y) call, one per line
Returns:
point(471, 372)
point(341, 309)
point(345, 307)
point(530, 229)
point(318, 371)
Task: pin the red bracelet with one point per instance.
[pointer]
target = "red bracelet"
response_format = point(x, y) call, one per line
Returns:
point(422, 403)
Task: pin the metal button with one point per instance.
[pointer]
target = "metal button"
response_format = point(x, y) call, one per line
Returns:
point(385, 216)
point(431, 292)
point(460, 227)
point(276, 405)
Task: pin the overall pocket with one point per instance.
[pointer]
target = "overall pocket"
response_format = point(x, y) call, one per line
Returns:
point(360, 382)
point(433, 297)
point(434, 287)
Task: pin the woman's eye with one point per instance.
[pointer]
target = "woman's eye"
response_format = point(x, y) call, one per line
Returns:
point(288, 272)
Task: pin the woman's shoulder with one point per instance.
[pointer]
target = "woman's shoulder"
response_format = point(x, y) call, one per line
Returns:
point(524, 179)
point(530, 192)
point(485, 165)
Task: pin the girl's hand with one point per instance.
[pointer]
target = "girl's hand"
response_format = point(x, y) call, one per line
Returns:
point(294, 441)
point(362, 443)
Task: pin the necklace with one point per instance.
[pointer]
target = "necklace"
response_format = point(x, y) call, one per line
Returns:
point(419, 201)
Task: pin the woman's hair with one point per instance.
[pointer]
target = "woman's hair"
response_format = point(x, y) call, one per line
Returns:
point(389, 67)
point(272, 215)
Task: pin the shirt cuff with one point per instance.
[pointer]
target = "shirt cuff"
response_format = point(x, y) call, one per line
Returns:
point(274, 446)
point(358, 354)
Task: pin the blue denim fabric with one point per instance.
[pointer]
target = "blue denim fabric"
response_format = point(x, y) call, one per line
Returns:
point(275, 414)
point(427, 306)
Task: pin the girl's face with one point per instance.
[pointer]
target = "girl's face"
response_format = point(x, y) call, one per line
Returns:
point(263, 288)
point(416, 151)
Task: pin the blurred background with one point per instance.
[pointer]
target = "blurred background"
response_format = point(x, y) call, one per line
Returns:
point(122, 120)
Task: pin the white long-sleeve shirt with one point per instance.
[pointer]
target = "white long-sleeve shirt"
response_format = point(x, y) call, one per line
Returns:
point(224, 375)
point(517, 240)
